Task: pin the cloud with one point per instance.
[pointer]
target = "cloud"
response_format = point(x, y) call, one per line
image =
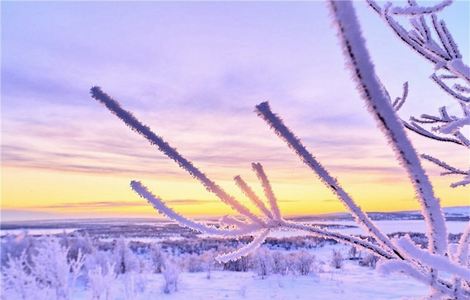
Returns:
point(118, 204)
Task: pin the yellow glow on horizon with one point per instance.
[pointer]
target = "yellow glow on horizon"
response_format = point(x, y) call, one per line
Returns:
point(73, 194)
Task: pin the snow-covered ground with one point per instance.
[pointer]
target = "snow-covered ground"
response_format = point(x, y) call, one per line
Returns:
point(353, 282)
point(119, 243)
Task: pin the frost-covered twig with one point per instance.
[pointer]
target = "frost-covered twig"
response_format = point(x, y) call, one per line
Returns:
point(252, 196)
point(245, 250)
point(434, 261)
point(461, 257)
point(449, 169)
point(393, 266)
point(172, 153)
point(444, 53)
point(160, 206)
point(264, 111)
point(268, 191)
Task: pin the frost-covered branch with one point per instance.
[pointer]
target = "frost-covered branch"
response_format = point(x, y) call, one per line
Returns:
point(264, 111)
point(162, 208)
point(444, 52)
point(255, 224)
point(445, 55)
point(379, 104)
point(252, 196)
point(268, 191)
point(172, 153)
point(434, 261)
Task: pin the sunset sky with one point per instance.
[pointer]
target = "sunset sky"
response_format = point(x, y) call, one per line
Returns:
point(193, 72)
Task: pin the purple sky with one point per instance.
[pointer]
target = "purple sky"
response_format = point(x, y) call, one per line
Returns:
point(194, 71)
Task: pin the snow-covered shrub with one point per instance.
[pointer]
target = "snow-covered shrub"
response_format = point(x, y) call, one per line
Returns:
point(52, 268)
point(124, 259)
point(134, 284)
point(97, 258)
point(336, 260)
point(262, 262)
point(100, 281)
point(279, 263)
point(77, 243)
point(354, 254)
point(157, 257)
point(195, 263)
point(369, 260)
point(209, 262)
point(303, 262)
point(16, 246)
point(243, 264)
point(17, 281)
point(171, 273)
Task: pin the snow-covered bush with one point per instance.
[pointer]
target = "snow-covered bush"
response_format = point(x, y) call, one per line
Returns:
point(48, 272)
point(369, 260)
point(158, 257)
point(17, 280)
point(100, 281)
point(16, 245)
point(52, 267)
point(124, 259)
point(354, 254)
point(171, 273)
point(279, 263)
point(336, 260)
point(243, 264)
point(302, 262)
point(263, 262)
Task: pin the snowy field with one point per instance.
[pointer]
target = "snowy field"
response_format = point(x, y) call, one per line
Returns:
point(142, 259)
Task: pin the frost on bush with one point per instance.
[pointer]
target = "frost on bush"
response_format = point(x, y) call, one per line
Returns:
point(336, 260)
point(124, 259)
point(263, 262)
point(354, 254)
point(158, 257)
point(280, 264)
point(170, 273)
point(303, 263)
point(100, 281)
point(369, 260)
point(48, 271)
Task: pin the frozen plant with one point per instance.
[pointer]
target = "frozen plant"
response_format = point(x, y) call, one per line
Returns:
point(17, 281)
point(303, 262)
point(100, 281)
point(337, 259)
point(170, 273)
point(430, 37)
point(157, 256)
point(125, 260)
point(369, 260)
point(379, 103)
point(52, 268)
point(280, 265)
point(354, 253)
point(263, 262)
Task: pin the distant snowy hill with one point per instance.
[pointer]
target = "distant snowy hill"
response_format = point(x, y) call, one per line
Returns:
point(455, 213)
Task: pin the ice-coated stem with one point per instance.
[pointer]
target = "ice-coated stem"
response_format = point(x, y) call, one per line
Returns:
point(372, 91)
point(295, 144)
point(246, 189)
point(162, 208)
point(268, 191)
point(172, 153)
